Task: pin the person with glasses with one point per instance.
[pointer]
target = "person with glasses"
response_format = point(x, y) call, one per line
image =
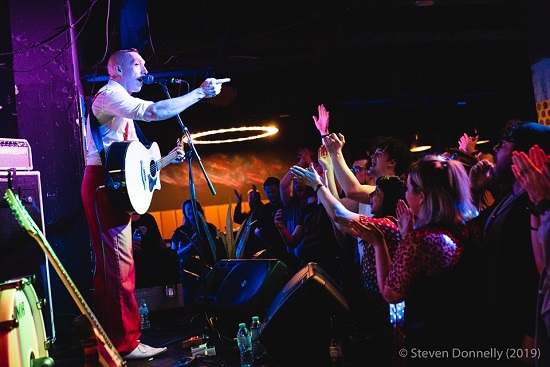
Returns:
point(514, 261)
point(533, 172)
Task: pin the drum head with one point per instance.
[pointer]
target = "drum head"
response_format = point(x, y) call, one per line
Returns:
point(25, 338)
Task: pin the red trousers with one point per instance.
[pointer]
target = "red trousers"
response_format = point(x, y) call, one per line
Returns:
point(115, 305)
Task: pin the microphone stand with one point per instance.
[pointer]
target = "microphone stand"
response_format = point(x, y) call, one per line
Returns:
point(199, 219)
point(189, 154)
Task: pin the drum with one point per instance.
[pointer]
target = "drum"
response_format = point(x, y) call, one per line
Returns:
point(22, 331)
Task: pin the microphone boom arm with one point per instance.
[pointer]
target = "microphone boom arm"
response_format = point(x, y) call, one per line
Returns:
point(192, 152)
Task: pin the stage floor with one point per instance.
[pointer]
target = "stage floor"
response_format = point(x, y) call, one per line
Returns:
point(169, 328)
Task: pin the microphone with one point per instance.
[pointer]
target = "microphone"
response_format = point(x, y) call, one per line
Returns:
point(149, 79)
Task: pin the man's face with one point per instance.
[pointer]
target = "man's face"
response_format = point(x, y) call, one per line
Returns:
point(132, 71)
point(503, 159)
point(381, 165)
point(272, 193)
point(360, 170)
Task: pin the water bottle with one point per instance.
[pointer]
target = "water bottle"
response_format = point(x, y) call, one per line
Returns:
point(144, 315)
point(244, 342)
point(258, 350)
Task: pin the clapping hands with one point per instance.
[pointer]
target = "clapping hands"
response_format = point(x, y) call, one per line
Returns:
point(533, 172)
point(368, 232)
point(405, 218)
point(468, 143)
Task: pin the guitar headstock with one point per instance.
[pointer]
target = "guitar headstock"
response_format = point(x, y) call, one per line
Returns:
point(21, 214)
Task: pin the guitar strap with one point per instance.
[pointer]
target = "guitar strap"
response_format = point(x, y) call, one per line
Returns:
point(94, 128)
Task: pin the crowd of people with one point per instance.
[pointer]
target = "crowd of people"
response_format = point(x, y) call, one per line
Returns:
point(459, 240)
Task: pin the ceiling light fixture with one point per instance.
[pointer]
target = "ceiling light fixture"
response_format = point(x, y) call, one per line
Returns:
point(480, 141)
point(418, 145)
point(264, 132)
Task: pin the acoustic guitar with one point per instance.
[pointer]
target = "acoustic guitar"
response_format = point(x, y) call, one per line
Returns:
point(135, 170)
point(108, 356)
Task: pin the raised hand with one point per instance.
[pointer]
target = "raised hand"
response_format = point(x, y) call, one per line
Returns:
point(238, 196)
point(468, 143)
point(323, 157)
point(322, 121)
point(405, 218)
point(481, 175)
point(308, 176)
point(305, 157)
point(334, 143)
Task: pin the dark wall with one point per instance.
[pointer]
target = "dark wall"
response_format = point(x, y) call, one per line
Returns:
point(45, 72)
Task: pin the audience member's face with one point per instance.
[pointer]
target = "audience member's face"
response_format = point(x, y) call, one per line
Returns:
point(188, 213)
point(413, 198)
point(272, 193)
point(360, 170)
point(299, 189)
point(376, 200)
point(254, 199)
point(503, 158)
point(381, 165)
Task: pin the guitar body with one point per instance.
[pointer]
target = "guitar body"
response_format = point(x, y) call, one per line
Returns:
point(135, 168)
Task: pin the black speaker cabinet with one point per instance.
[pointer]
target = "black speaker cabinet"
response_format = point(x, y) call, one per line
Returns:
point(157, 268)
point(21, 255)
point(239, 289)
point(300, 316)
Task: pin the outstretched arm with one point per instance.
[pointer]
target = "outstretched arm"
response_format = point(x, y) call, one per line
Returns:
point(170, 107)
point(351, 186)
point(335, 210)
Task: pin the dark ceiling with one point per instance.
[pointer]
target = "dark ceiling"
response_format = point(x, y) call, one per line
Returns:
point(381, 67)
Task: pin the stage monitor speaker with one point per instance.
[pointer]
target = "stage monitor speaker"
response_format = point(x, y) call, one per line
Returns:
point(240, 289)
point(300, 316)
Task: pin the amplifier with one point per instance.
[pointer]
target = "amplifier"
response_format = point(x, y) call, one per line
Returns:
point(15, 153)
point(22, 256)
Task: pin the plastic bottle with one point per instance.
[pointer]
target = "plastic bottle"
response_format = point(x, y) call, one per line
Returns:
point(258, 350)
point(335, 347)
point(144, 314)
point(244, 342)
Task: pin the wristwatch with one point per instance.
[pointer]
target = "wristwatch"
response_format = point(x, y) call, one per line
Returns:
point(542, 206)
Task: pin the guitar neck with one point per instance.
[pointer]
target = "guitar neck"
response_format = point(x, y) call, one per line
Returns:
point(32, 229)
point(166, 160)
